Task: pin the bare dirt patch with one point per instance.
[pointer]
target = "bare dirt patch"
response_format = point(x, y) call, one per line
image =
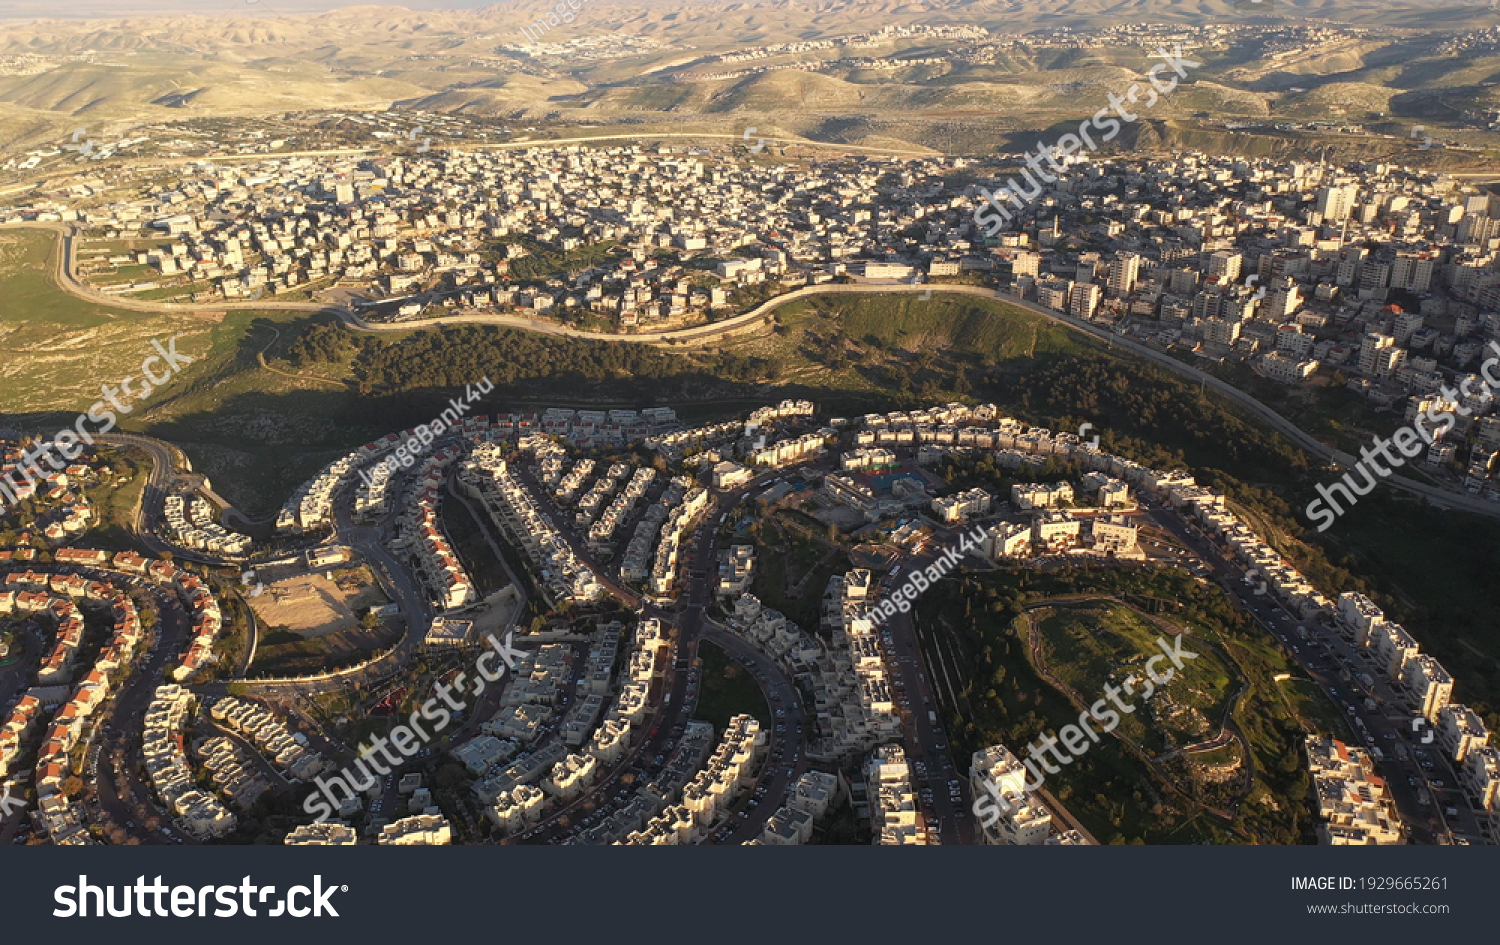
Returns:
point(310, 606)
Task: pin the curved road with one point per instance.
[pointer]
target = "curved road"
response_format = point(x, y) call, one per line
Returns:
point(67, 279)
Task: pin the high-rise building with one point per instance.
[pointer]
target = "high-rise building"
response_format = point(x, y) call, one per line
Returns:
point(1404, 325)
point(1088, 267)
point(1225, 266)
point(1182, 281)
point(1221, 331)
point(1124, 270)
point(1335, 203)
point(1378, 354)
point(1374, 277)
point(1083, 300)
point(1281, 301)
point(1351, 258)
point(1413, 271)
point(1026, 264)
point(1477, 229)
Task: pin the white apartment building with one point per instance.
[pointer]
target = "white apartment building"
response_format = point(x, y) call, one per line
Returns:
point(1285, 369)
point(1007, 540)
point(1083, 300)
point(730, 475)
point(1352, 800)
point(1481, 779)
point(1429, 684)
point(326, 834)
point(1113, 537)
point(1054, 531)
point(419, 830)
point(962, 507)
point(1023, 820)
point(1460, 730)
point(1040, 495)
point(1124, 271)
point(893, 803)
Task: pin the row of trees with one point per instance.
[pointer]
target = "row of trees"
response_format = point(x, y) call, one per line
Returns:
point(457, 356)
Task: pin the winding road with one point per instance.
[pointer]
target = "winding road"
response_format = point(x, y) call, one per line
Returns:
point(66, 276)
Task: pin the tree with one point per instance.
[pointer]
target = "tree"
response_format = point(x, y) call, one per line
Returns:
point(449, 776)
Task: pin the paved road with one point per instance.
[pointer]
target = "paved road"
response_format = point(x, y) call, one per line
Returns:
point(370, 541)
point(924, 738)
point(123, 794)
point(1323, 654)
point(66, 277)
point(150, 517)
point(786, 726)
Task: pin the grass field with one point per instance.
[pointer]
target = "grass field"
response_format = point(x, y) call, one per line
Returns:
point(973, 628)
point(728, 690)
point(1087, 645)
point(866, 346)
point(62, 348)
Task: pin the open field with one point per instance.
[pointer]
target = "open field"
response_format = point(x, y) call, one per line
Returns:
point(309, 606)
point(1089, 644)
point(728, 689)
point(1122, 793)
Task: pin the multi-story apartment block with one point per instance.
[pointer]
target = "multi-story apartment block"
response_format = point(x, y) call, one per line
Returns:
point(1353, 802)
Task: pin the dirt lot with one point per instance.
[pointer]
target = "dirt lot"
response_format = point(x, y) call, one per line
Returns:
point(311, 606)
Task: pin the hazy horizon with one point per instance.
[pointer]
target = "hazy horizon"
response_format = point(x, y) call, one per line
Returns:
point(1061, 10)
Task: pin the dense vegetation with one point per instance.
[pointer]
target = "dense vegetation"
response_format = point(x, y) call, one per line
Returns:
point(456, 356)
point(971, 627)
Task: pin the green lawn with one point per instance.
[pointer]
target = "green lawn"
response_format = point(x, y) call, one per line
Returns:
point(1116, 793)
point(1089, 645)
point(728, 690)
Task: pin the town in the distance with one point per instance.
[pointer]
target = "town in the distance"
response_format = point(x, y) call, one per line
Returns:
point(447, 478)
